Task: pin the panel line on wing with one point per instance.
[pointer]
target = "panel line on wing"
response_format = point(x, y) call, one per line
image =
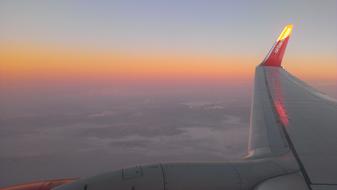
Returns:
point(290, 143)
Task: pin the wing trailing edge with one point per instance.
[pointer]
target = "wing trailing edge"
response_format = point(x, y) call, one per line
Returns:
point(275, 55)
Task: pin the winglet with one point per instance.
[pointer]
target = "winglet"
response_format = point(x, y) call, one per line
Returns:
point(275, 55)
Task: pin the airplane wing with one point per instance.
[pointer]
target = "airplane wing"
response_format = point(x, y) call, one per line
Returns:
point(289, 115)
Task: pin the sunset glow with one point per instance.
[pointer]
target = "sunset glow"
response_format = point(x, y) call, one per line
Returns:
point(23, 64)
point(43, 64)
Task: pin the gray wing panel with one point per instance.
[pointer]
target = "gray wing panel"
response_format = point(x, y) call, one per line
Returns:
point(308, 117)
point(266, 137)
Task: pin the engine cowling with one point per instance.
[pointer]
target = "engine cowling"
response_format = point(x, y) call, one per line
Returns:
point(186, 176)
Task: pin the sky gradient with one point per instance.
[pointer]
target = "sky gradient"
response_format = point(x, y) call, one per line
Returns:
point(129, 39)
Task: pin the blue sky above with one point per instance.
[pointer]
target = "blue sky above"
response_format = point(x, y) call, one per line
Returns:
point(213, 27)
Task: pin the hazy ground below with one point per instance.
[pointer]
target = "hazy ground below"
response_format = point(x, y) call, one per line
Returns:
point(58, 134)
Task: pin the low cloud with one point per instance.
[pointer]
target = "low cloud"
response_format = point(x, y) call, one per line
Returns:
point(107, 136)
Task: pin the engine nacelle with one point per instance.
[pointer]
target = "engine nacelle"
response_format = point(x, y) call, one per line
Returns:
point(186, 176)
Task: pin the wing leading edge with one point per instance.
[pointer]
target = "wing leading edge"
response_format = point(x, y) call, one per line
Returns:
point(290, 116)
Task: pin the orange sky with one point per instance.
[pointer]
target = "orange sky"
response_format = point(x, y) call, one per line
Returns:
point(25, 64)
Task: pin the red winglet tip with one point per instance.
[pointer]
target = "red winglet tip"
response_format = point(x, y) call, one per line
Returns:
point(275, 56)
